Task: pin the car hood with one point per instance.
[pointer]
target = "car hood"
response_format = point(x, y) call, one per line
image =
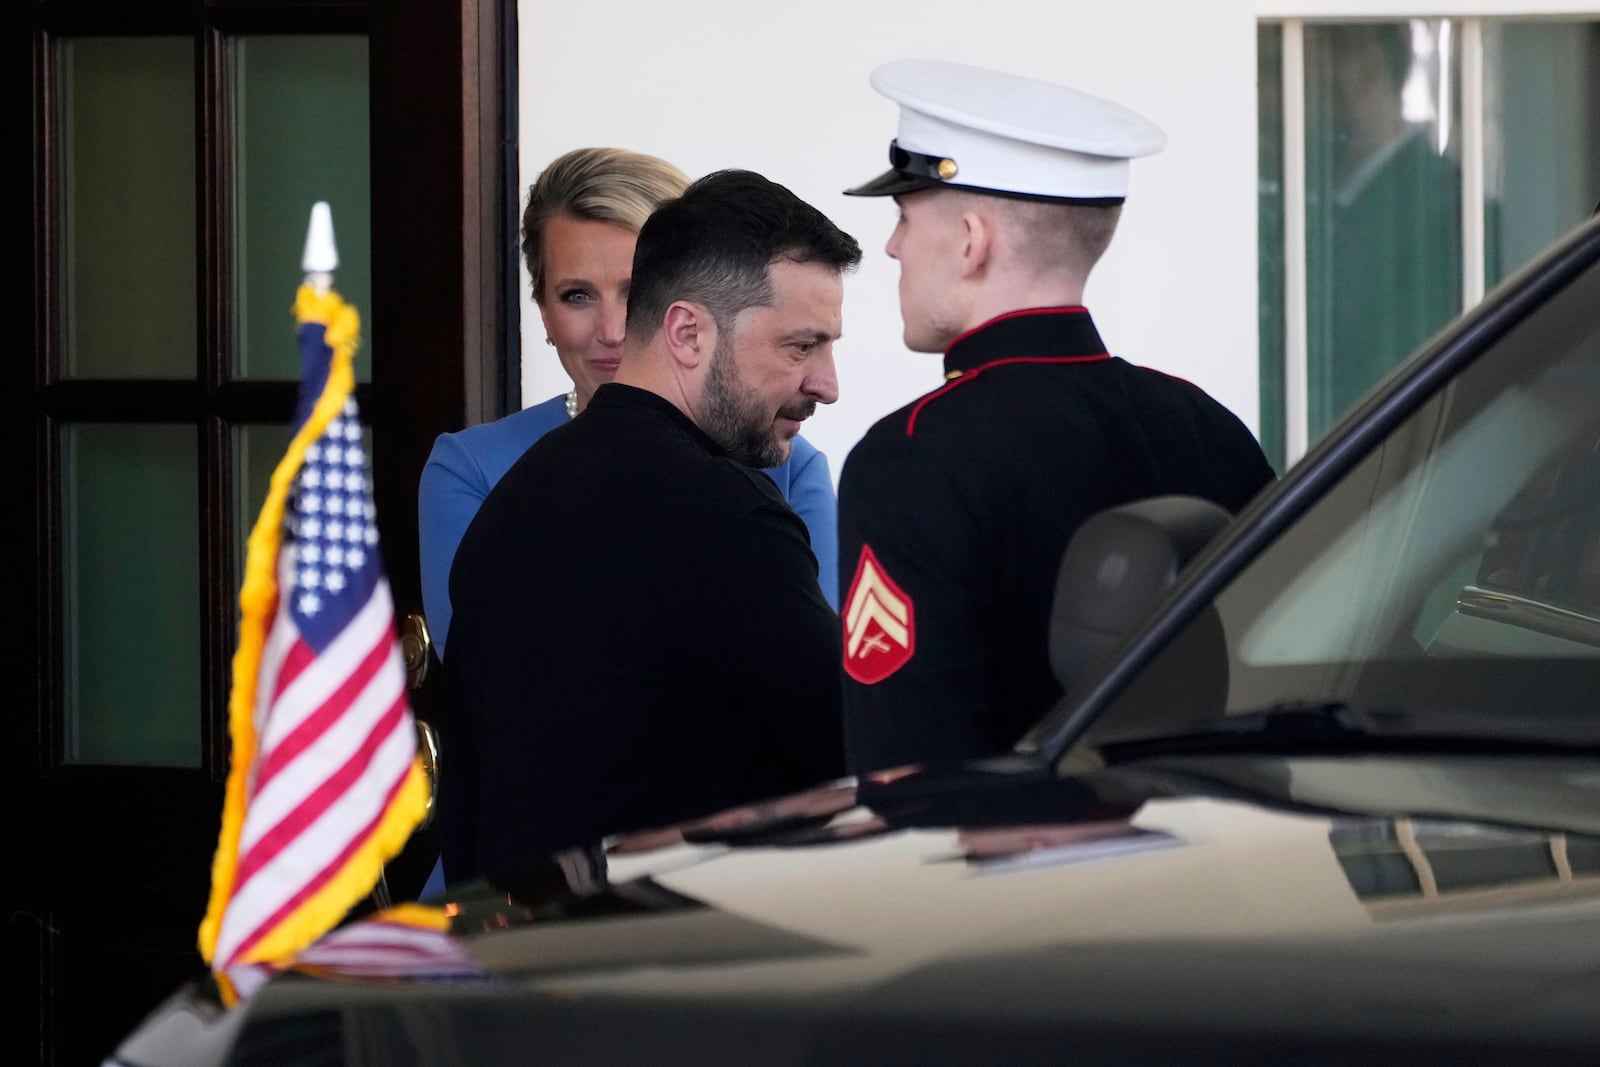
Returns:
point(1366, 905)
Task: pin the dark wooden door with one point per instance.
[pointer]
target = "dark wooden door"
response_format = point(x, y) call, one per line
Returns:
point(157, 404)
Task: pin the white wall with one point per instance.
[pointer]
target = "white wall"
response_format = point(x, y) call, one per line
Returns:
point(726, 83)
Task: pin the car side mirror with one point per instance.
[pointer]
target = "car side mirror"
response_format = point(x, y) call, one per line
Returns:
point(1116, 566)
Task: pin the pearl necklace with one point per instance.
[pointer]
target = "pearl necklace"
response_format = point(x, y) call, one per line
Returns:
point(572, 403)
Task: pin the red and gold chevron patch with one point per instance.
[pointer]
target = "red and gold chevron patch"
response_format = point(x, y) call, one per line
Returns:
point(879, 623)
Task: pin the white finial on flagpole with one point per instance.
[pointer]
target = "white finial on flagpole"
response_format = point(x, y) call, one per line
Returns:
point(321, 258)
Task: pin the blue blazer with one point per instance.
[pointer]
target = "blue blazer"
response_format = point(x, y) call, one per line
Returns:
point(465, 465)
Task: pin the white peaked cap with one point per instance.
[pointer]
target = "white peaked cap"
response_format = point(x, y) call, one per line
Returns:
point(994, 132)
point(320, 257)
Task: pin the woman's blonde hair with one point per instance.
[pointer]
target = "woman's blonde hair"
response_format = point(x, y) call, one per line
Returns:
point(595, 185)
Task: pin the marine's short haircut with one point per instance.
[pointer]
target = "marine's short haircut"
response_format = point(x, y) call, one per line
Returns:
point(594, 185)
point(713, 246)
point(1056, 236)
point(1073, 236)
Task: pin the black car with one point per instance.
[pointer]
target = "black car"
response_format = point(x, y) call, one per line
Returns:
point(1324, 788)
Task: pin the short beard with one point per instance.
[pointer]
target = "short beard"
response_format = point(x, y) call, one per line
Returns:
point(733, 417)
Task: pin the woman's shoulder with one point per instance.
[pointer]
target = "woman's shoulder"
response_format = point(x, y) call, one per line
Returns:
point(501, 442)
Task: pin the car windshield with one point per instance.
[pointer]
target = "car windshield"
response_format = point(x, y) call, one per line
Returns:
point(1452, 573)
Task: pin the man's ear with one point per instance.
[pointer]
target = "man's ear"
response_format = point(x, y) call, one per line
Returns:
point(689, 332)
point(977, 241)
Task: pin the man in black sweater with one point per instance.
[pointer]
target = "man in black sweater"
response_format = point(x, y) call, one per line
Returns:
point(639, 636)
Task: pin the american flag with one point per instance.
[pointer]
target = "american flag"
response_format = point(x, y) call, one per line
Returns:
point(324, 786)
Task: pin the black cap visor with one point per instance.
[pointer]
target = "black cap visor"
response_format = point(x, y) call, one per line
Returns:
point(908, 172)
point(892, 183)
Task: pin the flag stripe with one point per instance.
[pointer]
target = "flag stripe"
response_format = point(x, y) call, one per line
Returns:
point(281, 833)
point(327, 716)
point(305, 679)
point(290, 876)
point(349, 759)
point(277, 791)
point(238, 938)
point(333, 761)
point(283, 885)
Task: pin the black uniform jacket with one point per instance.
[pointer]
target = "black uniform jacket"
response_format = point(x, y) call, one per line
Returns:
point(955, 510)
point(639, 638)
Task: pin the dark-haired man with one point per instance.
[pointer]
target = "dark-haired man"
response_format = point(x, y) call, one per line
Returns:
point(954, 511)
point(637, 570)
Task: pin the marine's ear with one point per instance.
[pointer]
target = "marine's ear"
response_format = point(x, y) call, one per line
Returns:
point(977, 244)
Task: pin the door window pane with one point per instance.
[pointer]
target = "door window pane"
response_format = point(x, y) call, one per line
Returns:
point(128, 291)
point(1541, 136)
point(1383, 193)
point(300, 129)
point(132, 563)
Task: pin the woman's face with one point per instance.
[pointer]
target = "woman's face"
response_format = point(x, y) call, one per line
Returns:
point(587, 267)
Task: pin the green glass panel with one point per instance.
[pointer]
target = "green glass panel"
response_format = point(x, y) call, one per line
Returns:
point(127, 229)
point(132, 573)
point(1269, 186)
point(300, 126)
point(1541, 136)
point(1383, 201)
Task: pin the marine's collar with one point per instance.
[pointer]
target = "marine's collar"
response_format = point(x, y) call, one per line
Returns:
point(1029, 333)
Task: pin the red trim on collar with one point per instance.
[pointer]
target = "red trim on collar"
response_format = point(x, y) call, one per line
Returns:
point(966, 376)
point(1074, 309)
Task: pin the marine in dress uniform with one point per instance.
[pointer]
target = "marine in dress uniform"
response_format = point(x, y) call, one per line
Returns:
point(954, 511)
